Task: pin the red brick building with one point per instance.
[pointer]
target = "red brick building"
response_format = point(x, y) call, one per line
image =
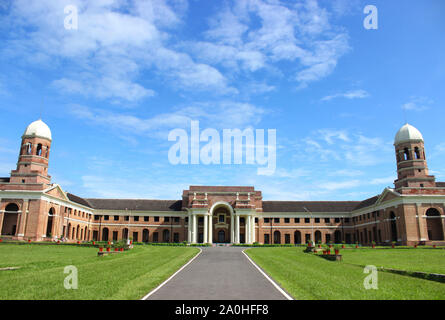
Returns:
point(32, 207)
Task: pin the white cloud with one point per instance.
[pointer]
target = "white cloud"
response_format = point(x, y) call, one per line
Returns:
point(353, 94)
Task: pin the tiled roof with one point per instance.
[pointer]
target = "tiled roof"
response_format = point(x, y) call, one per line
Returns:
point(312, 206)
point(440, 184)
point(367, 202)
point(130, 204)
point(78, 200)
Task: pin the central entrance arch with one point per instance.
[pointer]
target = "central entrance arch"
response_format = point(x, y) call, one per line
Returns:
point(10, 220)
point(222, 226)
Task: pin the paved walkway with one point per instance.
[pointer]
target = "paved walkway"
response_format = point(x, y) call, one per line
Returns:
point(219, 273)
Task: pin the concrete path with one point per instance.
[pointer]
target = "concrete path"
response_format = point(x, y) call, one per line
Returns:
point(219, 273)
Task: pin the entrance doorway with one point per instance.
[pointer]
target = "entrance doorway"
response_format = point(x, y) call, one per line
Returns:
point(221, 236)
point(10, 220)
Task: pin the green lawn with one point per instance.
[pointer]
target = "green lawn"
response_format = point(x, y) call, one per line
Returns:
point(306, 276)
point(127, 275)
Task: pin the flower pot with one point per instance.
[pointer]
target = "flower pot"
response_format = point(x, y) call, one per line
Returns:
point(343, 246)
point(415, 246)
point(337, 252)
point(434, 246)
point(108, 249)
point(94, 243)
point(373, 246)
point(78, 242)
point(115, 249)
point(122, 249)
point(1, 240)
point(109, 242)
point(393, 246)
point(101, 249)
point(319, 246)
point(58, 241)
point(356, 246)
point(131, 241)
point(29, 241)
point(328, 251)
point(330, 246)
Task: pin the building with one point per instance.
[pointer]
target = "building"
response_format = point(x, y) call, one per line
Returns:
point(32, 207)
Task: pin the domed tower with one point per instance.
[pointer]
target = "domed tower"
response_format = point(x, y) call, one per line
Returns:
point(412, 168)
point(32, 166)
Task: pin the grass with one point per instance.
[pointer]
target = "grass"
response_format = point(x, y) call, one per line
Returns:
point(306, 276)
point(127, 275)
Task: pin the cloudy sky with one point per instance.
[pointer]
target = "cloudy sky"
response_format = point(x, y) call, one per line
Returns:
point(112, 89)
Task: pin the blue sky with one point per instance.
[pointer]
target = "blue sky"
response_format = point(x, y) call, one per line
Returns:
point(133, 70)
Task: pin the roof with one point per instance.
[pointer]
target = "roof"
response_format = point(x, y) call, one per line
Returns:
point(132, 204)
point(5, 179)
point(407, 133)
point(78, 200)
point(312, 206)
point(367, 203)
point(440, 184)
point(38, 129)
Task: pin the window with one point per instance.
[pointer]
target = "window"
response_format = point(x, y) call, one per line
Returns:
point(317, 220)
point(242, 220)
point(337, 220)
point(127, 218)
point(417, 151)
point(156, 219)
point(95, 217)
point(167, 219)
point(327, 220)
point(136, 218)
point(286, 220)
point(201, 219)
point(266, 238)
point(116, 218)
point(406, 154)
point(176, 219)
point(106, 218)
point(347, 220)
point(276, 220)
point(221, 218)
point(155, 237)
point(146, 219)
point(287, 238)
point(297, 220)
point(39, 150)
point(256, 220)
point(266, 220)
point(307, 220)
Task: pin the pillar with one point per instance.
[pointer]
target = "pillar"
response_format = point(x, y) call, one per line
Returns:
point(237, 230)
point(247, 230)
point(232, 229)
point(195, 228)
point(205, 235)
point(210, 239)
point(253, 229)
point(2, 214)
point(189, 229)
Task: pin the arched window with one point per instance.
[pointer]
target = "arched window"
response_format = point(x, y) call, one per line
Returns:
point(28, 148)
point(39, 150)
point(434, 225)
point(337, 236)
point(46, 152)
point(125, 234)
point(49, 224)
point(417, 152)
point(406, 154)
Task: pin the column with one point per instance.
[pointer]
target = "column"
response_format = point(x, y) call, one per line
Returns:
point(253, 229)
point(237, 230)
point(189, 229)
point(247, 230)
point(210, 240)
point(194, 229)
point(232, 229)
point(2, 214)
point(205, 235)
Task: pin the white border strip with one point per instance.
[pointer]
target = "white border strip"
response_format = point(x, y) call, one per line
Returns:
point(171, 277)
point(288, 297)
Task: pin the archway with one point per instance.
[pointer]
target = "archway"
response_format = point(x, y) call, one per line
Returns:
point(10, 220)
point(105, 234)
point(221, 214)
point(337, 236)
point(49, 224)
point(317, 236)
point(125, 234)
point(434, 225)
point(297, 237)
point(277, 237)
point(166, 235)
point(392, 217)
point(145, 235)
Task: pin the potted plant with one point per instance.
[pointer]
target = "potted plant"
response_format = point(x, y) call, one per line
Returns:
point(373, 244)
point(415, 245)
point(101, 249)
point(343, 245)
point(393, 244)
point(330, 244)
point(108, 249)
point(319, 244)
point(434, 246)
point(356, 245)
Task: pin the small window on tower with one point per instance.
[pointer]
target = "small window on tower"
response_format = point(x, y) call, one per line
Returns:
point(39, 150)
point(417, 151)
point(406, 153)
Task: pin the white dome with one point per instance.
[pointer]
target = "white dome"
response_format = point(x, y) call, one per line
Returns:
point(408, 133)
point(38, 129)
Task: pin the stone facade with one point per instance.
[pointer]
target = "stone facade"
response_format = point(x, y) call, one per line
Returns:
point(31, 207)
